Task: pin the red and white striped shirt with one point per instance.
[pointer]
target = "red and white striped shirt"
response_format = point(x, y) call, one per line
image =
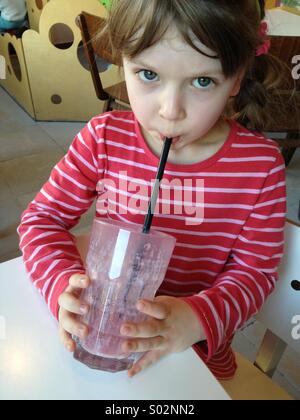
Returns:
point(227, 214)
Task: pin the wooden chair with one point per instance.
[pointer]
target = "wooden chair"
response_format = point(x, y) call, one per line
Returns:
point(252, 381)
point(115, 96)
point(285, 108)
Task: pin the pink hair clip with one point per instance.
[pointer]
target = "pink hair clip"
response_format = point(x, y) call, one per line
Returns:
point(265, 47)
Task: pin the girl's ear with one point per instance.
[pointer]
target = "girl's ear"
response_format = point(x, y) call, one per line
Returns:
point(237, 86)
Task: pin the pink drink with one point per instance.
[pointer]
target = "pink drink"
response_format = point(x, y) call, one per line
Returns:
point(124, 265)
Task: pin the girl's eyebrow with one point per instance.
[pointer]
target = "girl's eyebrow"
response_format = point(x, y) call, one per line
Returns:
point(210, 72)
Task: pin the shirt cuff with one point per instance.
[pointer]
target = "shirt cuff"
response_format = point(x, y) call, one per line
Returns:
point(204, 349)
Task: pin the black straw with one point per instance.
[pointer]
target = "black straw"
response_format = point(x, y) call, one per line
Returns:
point(156, 188)
point(148, 219)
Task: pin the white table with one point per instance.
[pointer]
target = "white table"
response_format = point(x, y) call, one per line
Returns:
point(283, 23)
point(34, 365)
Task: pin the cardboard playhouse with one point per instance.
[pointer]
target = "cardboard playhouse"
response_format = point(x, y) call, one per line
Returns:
point(292, 6)
point(46, 71)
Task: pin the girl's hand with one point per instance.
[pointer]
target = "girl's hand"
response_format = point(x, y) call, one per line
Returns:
point(172, 328)
point(70, 308)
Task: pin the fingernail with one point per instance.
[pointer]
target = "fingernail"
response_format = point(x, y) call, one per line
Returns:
point(69, 346)
point(141, 306)
point(129, 346)
point(83, 281)
point(125, 330)
point(83, 309)
point(133, 372)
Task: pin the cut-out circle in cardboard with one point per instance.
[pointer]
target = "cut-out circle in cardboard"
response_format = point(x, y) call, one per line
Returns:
point(39, 4)
point(61, 36)
point(296, 285)
point(102, 65)
point(56, 99)
point(14, 61)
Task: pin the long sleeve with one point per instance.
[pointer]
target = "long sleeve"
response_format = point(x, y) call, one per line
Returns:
point(49, 251)
point(250, 274)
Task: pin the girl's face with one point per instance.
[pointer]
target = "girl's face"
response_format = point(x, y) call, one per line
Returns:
point(177, 92)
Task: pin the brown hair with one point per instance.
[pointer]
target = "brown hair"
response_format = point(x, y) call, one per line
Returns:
point(228, 27)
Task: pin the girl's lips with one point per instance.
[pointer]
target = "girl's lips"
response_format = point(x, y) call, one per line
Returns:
point(175, 139)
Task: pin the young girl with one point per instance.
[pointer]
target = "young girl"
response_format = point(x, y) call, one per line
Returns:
point(184, 61)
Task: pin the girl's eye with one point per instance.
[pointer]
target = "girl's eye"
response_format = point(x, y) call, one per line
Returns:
point(148, 76)
point(203, 82)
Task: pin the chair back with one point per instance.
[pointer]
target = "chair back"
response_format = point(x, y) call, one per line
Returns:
point(281, 313)
point(284, 105)
point(96, 43)
point(90, 27)
point(286, 48)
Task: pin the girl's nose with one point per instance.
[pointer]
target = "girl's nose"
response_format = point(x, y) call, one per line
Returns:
point(171, 106)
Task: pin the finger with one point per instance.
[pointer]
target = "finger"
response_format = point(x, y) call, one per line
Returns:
point(70, 324)
point(150, 328)
point(80, 281)
point(145, 361)
point(72, 304)
point(66, 340)
point(155, 309)
point(144, 344)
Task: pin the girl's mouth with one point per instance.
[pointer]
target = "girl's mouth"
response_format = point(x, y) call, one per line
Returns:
point(175, 139)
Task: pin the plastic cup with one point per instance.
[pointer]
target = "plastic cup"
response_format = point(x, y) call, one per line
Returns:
point(124, 265)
